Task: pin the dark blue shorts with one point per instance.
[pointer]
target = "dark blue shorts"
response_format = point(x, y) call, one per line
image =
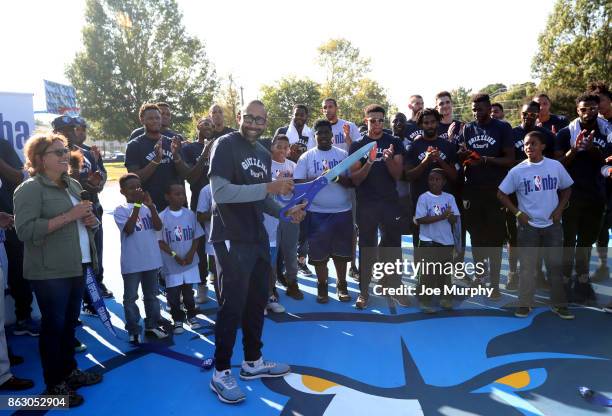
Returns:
point(329, 235)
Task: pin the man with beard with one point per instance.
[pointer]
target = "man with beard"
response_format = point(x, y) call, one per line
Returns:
point(486, 151)
point(529, 116)
point(375, 178)
point(550, 122)
point(329, 219)
point(412, 128)
point(166, 120)
point(583, 148)
point(216, 115)
point(444, 105)
point(299, 134)
point(155, 158)
point(428, 152)
point(240, 180)
point(345, 132)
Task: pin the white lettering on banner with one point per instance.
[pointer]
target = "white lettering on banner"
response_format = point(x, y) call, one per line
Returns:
point(16, 119)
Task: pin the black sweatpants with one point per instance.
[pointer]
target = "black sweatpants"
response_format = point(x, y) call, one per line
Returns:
point(581, 224)
point(243, 272)
point(372, 216)
point(486, 222)
point(20, 288)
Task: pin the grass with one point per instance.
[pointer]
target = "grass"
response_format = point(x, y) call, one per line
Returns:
point(115, 170)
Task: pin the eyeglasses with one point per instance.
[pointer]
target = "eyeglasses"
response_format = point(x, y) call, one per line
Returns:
point(249, 119)
point(588, 109)
point(376, 120)
point(529, 115)
point(59, 152)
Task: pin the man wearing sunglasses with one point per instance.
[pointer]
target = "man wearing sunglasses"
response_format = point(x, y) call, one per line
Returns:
point(583, 148)
point(375, 178)
point(529, 118)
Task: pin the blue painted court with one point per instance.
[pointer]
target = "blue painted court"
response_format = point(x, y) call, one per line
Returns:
point(475, 360)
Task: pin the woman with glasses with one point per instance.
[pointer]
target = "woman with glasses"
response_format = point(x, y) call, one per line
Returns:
point(56, 229)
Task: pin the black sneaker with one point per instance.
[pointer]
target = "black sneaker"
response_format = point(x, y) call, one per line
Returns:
point(303, 268)
point(522, 312)
point(495, 294)
point(135, 339)
point(79, 346)
point(27, 327)
point(106, 294)
point(354, 273)
point(159, 332)
point(62, 389)
point(15, 383)
point(513, 282)
point(322, 295)
point(342, 292)
point(80, 378)
point(402, 300)
point(362, 302)
point(282, 279)
point(562, 311)
point(293, 291)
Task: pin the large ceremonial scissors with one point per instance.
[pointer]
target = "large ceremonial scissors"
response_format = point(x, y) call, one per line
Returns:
point(308, 190)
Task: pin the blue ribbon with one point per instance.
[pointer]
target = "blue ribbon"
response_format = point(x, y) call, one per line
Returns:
point(97, 300)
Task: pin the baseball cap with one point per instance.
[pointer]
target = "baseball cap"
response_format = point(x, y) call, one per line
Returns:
point(61, 122)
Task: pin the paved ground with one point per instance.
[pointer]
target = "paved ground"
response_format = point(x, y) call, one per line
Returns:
point(475, 360)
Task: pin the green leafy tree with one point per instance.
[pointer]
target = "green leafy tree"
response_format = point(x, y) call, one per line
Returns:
point(345, 79)
point(575, 47)
point(137, 51)
point(229, 99)
point(462, 104)
point(280, 98)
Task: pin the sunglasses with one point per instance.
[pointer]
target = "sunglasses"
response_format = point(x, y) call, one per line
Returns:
point(376, 120)
point(59, 152)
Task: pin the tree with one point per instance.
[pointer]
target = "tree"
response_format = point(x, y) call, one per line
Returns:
point(229, 99)
point(280, 98)
point(462, 104)
point(346, 81)
point(575, 47)
point(137, 51)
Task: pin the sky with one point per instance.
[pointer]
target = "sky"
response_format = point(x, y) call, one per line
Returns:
point(416, 47)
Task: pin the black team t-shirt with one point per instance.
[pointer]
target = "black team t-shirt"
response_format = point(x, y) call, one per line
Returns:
point(418, 152)
point(558, 121)
point(379, 185)
point(443, 128)
point(191, 154)
point(139, 154)
point(234, 158)
point(490, 140)
point(412, 130)
point(519, 134)
point(9, 156)
point(585, 169)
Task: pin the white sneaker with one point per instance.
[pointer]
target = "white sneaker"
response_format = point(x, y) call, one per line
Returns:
point(202, 296)
point(274, 306)
point(263, 368)
point(226, 388)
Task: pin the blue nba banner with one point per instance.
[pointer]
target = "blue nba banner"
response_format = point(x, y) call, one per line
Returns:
point(61, 99)
point(97, 301)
